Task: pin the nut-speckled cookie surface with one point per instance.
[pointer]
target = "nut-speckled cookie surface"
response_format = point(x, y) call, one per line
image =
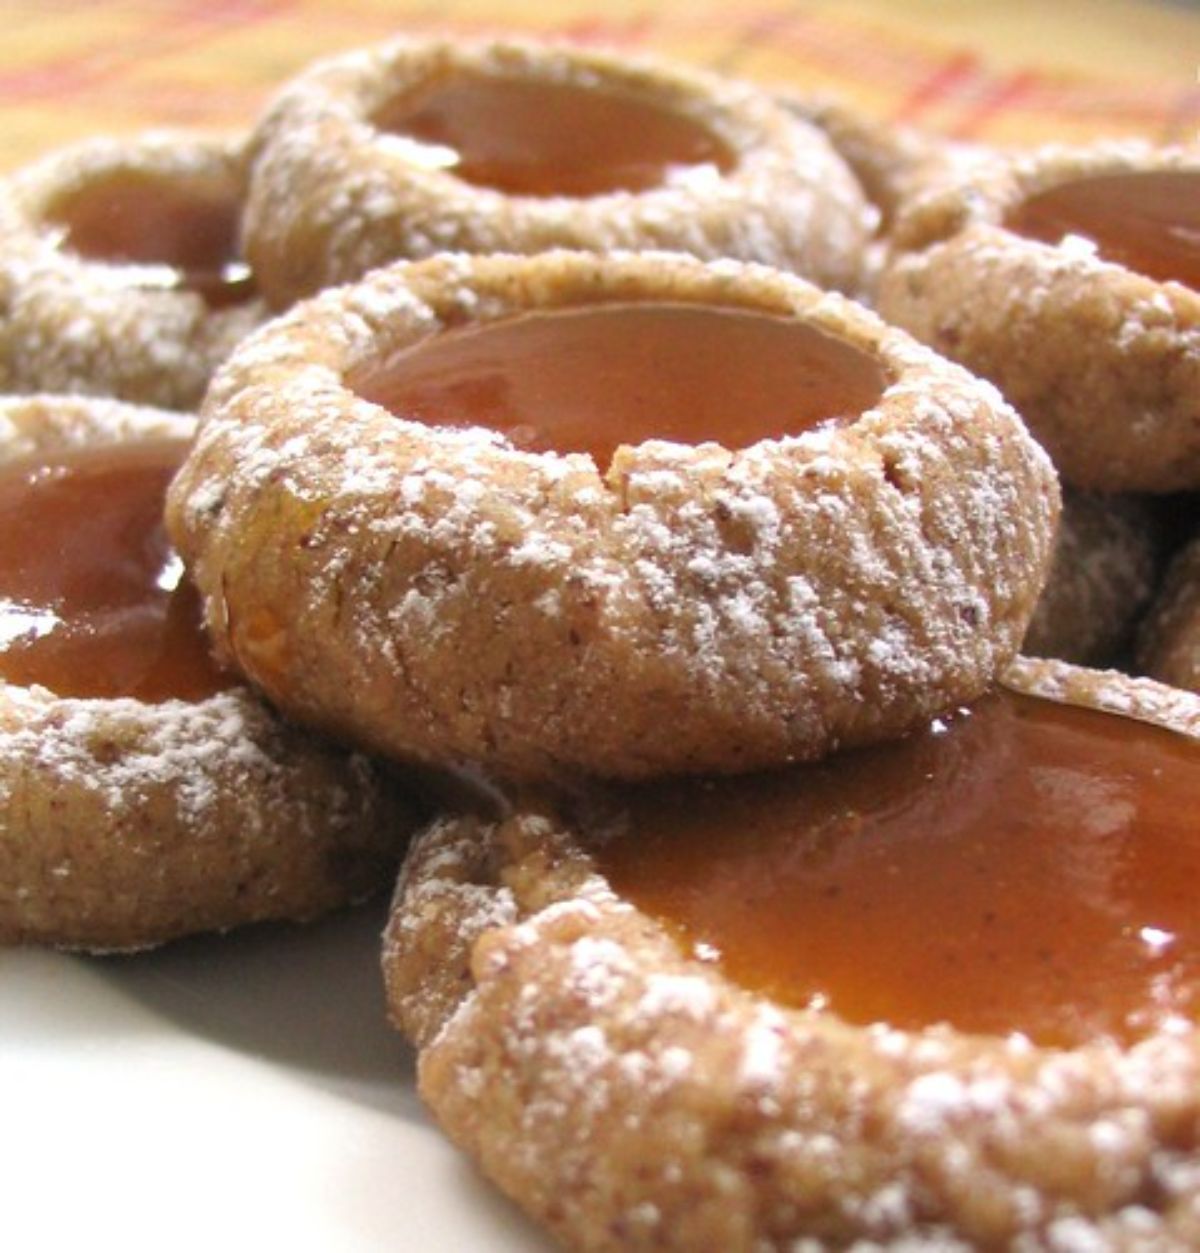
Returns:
point(124, 824)
point(1103, 362)
point(441, 593)
point(630, 1096)
point(334, 194)
point(96, 323)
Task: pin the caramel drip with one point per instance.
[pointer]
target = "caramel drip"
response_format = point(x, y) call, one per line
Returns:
point(590, 379)
point(93, 602)
point(529, 137)
point(1147, 221)
point(182, 234)
point(1022, 866)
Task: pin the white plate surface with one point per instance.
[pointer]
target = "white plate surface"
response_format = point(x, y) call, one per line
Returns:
point(227, 1093)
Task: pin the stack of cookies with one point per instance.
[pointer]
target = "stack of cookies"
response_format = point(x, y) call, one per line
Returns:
point(547, 444)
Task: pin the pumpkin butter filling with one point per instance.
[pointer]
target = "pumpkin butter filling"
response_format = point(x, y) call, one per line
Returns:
point(1145, 220)
point(536, 137)
point(93, 601)
point(1019, 866)
point(593, 378)
point(179, 235)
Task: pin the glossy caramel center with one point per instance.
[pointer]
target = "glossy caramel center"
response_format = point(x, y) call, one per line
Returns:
point(179, 233)
point(593, 378)
point(536, 138)
point(1147, 221)
point(92, 599)
point(1023, 866)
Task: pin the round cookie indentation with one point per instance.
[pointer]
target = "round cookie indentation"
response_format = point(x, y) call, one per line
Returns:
point(542, 138)
point(443, 593)
point(93, 602)
point(1017, 865)
point(593, 379)
point(180, 234)
point(1145, 220)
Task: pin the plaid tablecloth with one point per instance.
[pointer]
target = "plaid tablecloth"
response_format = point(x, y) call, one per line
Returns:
point(1019, 71)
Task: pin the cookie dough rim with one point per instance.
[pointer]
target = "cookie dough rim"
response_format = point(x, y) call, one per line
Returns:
point(86, 309)
point(318, 135)
point(230, 741)
point(285, 389)
point(483, 910)
point(950, 228)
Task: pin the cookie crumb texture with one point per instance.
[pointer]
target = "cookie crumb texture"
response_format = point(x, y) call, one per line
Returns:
point(631, 1098)
point(440, 594)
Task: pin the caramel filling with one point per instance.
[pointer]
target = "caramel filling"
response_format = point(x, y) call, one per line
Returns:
point(92, 599)
point(1022, 866)
point(1146, 221)
point(590, 379)
point(179, 234)
point(527, 137)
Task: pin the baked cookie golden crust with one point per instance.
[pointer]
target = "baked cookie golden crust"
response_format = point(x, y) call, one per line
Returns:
point(1096, 341)
point(119, 271)
point(440, 592)
point(1169, 640)
point(426, 146)
point(1105, 568)
point(124, 823)
point(631, 1094)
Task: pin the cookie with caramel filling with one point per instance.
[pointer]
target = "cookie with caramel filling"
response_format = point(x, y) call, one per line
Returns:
point(941, 993)
point(144, 793)
point(120, 268)
point(425, 146)
point(622, 515)
point(1070, 277)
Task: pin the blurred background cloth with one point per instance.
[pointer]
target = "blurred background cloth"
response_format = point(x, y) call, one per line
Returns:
point(1013, 71)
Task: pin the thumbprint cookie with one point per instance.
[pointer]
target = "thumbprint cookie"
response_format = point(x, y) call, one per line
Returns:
point(145, 793)
point(1071, 279)
point(942, 993)
point(425, 146)
point(624, 515)
point(120, 269)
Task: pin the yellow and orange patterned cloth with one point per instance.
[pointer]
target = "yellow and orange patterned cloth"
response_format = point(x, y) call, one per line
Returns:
point(1021, 71)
